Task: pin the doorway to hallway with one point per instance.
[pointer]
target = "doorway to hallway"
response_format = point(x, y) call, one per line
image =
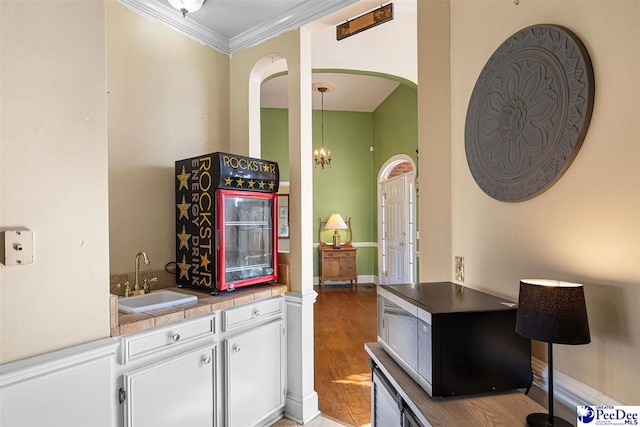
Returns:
point(397, 221)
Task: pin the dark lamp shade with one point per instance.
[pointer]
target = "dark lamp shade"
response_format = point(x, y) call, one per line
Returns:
point(553, 312)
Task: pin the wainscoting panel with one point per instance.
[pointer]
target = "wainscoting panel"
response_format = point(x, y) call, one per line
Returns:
point(71, 387)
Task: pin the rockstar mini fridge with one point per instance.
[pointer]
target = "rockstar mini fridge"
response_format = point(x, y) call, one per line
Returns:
point(226, 222)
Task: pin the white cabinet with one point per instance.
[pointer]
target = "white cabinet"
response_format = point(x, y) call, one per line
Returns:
point(173, 393)
point(254, 362)
point(167, 376)
point(191, 373)
point(255, 387)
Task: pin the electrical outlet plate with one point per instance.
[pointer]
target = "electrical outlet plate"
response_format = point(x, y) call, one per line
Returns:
point(18, 246)
point(459, 268)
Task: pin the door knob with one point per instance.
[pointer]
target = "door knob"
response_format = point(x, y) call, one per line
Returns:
point(207, 360)
point(236, 348)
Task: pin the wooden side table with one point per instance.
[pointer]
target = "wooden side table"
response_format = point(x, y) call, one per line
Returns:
point(338, 264)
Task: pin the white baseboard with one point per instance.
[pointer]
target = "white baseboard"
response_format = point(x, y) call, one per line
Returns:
point(567, 390)
point(302, 410)
point(365, 278)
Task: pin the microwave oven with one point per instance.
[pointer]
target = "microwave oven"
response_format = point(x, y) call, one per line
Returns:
point(453, 340)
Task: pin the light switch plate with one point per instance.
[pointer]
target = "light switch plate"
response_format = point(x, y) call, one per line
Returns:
point(18, 246)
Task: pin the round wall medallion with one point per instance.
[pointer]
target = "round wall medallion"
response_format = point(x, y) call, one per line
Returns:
point(529, 112)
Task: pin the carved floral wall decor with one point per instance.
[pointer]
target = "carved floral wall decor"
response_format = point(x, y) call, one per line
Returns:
point(529, 112)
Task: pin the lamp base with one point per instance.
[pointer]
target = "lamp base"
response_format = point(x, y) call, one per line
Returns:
point(336, 240)
point(542, 420)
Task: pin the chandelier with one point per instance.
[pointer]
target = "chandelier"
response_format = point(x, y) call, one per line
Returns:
point(322, 156)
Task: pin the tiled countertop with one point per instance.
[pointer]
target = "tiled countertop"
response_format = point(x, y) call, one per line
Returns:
point(127, 323)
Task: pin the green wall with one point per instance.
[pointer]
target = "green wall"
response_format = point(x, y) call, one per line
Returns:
point(395, 127)
point(348, 186)
point(344, 187)
point(274, 134)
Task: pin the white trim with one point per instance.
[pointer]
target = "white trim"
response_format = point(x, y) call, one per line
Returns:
point(362, 279)
point(355, 245)
point(292, 19)
point(37, 366)
point(296, 17)
point(301, 404)
point(164, 13)
point(567, 390)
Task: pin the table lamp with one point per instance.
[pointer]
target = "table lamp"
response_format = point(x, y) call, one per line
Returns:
point(335, 222)
point(553, 312)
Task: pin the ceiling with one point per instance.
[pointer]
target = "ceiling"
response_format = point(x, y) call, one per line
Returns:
point(352, 92)
point(232, 25)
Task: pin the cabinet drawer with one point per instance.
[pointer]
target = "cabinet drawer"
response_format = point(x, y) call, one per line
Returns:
point(251, 313)
point(149, 342)
point(339, 254)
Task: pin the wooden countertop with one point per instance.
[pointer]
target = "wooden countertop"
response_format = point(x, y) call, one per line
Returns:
point(492, 409)
point(207, 303)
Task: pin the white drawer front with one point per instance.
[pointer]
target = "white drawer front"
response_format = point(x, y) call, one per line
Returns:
point(249, 313)
point(144, 343)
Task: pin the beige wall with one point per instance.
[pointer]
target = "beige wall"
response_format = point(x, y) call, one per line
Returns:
point(434, 136)
point(586, 227)
point(389, 48)
point(53, 174)
point(168, 100)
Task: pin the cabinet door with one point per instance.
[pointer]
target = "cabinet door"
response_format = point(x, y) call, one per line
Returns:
point(173, 393)
point(331, 267)
point(255, 378)
point(347, 265)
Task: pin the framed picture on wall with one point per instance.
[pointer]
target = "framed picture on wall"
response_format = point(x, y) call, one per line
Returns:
point(283, 216)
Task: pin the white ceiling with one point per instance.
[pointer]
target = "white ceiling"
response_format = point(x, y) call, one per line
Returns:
point(232, 25)
point(352, 92)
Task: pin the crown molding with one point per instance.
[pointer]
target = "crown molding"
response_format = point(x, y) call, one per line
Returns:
point(166, 14)
point(294, 18)
point(302, 14)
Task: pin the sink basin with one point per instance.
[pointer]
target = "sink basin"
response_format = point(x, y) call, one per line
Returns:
point(153, 301)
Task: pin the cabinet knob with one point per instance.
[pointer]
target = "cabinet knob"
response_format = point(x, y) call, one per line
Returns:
point(175, 337)
point(256, 312)
point(207, 360)
point(236, 348)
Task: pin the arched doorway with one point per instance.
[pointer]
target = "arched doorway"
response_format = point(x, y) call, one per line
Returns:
point(397, 221)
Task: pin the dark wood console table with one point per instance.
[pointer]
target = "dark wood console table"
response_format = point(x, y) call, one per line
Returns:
point(495, 409)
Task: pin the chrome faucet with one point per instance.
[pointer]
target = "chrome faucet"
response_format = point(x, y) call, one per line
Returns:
point(136, 285)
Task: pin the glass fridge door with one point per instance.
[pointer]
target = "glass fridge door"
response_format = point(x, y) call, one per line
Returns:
point(248, 242)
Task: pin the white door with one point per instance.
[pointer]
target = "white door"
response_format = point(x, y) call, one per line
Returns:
point(173, 393)
point(395, 231)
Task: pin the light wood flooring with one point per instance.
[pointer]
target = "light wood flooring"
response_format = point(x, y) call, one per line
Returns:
point(344, 319)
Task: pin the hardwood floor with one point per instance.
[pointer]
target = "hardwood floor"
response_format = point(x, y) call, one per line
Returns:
point(344, 319)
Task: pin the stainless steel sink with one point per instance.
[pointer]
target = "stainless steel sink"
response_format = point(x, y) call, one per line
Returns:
point(153, 301)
